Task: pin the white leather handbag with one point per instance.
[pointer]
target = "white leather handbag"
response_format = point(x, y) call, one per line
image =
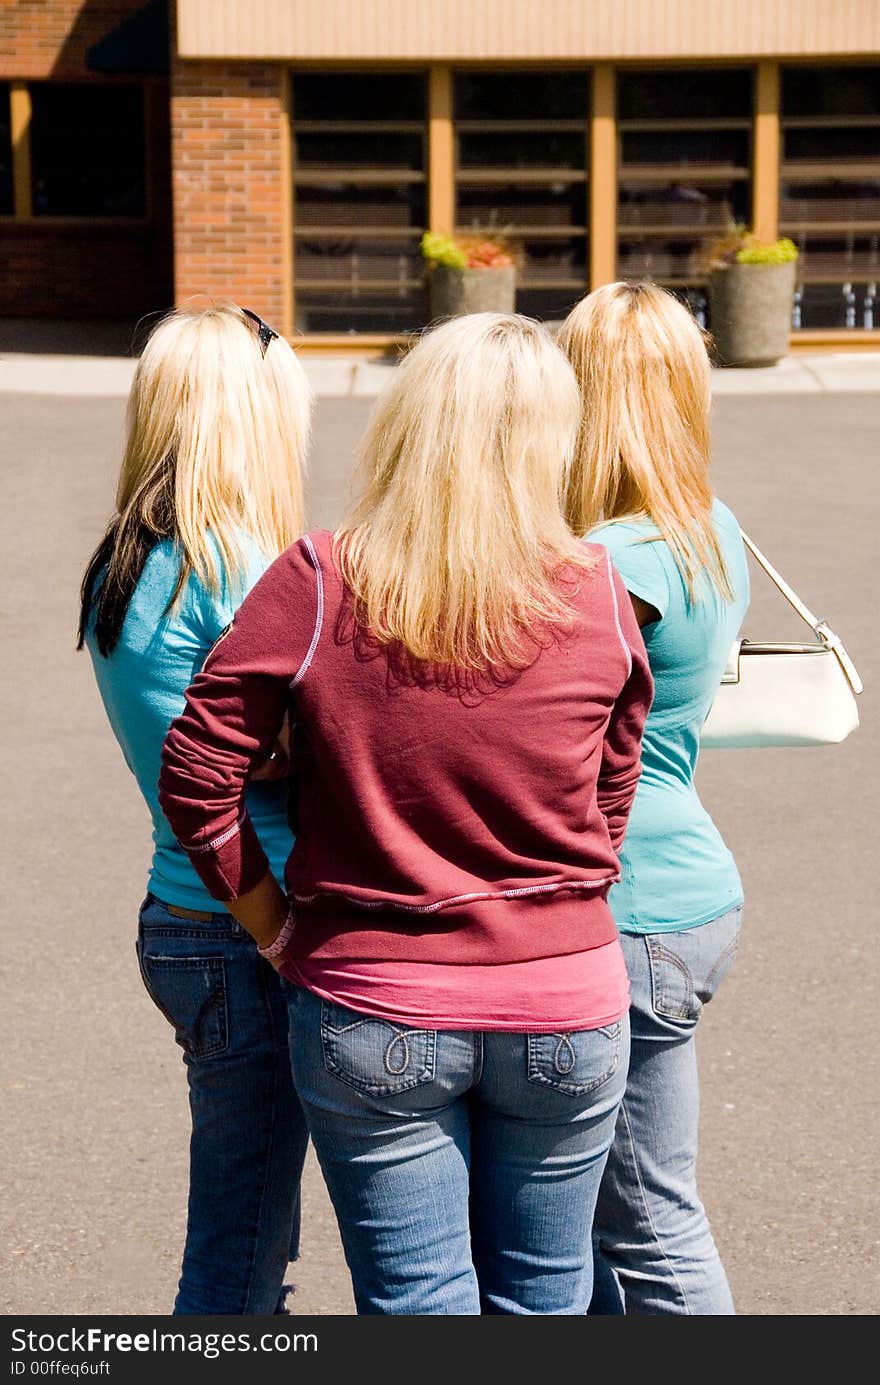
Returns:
point(784, 694)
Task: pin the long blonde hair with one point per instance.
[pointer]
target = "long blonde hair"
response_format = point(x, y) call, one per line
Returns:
point(643, 450)
point(215, 451)
point(455, 548)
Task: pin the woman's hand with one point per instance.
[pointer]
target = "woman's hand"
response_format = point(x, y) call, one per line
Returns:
point(262, 912)
point(275, 766)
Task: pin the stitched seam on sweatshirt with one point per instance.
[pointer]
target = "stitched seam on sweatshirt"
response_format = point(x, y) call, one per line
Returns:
point(515, 893)
point(319, 612)
point(623, 644)
point(216, 842)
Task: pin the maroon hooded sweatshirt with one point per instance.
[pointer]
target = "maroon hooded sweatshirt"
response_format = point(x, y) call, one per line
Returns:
point(438, 818)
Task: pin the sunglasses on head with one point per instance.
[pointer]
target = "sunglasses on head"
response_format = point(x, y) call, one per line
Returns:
point(261, 330)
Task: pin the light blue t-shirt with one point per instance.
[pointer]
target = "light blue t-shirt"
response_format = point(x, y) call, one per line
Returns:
point(142, 684)
point(676, 871)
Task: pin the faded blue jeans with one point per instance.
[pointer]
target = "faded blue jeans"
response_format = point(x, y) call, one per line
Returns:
point(463, 1167)
point(654, 1248)
point(229, 1012)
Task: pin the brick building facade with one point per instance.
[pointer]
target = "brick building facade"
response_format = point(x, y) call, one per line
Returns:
point(230, 137)
point(289, 153)
point(83, 257)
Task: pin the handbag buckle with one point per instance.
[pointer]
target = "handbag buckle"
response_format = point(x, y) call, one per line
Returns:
point(835, 644)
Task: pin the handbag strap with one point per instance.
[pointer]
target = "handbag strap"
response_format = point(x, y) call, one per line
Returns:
point(823, 632)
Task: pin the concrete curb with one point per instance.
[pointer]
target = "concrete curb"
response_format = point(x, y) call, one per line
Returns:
point(352, 377)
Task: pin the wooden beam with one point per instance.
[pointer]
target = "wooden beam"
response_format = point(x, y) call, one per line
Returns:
point(20, 114)
point(603, 178)
point(441, 151)
point(765, 174)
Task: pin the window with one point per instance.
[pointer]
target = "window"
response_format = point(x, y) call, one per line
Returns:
point(830, 192)
point(521, 171)
point(6, 186)
point(684, 171)
point(360, 201)
point(87, 150)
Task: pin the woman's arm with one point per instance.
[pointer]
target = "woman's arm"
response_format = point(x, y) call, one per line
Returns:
point(645, 614)
point(622, 749)
point(234, 712)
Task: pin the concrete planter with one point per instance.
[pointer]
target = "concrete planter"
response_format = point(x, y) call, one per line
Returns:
point(751, 312)
point(455, 291)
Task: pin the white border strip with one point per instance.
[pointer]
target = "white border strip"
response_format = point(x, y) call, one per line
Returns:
point(623, 644)
point(395, 906)
point(319, 613)
point(216, 842)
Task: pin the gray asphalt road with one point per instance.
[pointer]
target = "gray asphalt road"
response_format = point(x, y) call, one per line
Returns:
point(93, 1145)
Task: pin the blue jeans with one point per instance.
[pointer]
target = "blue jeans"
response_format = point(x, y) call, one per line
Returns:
point(463, 1167)
point(654, 1248)
point(229, 1012)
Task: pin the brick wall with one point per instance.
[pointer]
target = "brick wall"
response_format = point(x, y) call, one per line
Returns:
point(50, 38)
point(231, 219)
point(55, 268)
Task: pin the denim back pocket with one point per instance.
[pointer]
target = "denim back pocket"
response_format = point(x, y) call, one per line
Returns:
point(688, 967)
point(375, 1056)
point(574, 1063)
point(191, 993)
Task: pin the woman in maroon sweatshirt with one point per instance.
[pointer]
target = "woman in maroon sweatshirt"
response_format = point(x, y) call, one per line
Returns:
point(467, 687)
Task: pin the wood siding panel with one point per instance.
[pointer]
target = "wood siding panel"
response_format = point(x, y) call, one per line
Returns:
point(516, 30)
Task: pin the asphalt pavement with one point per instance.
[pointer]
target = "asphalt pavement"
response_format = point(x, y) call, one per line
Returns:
point(93, 1144)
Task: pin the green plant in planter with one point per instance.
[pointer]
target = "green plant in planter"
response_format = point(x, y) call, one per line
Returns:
point(469, 274)
point(751, 288)
point(773, 252)
point(738, 245)
point(437, 249)
point(468, 252)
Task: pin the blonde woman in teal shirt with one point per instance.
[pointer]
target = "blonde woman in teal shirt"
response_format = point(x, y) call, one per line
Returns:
point(209, 493)
point(641, 487)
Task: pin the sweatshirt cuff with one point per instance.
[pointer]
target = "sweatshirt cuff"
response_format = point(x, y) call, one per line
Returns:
point(229, 869)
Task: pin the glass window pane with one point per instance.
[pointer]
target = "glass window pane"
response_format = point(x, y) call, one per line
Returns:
point(359, 202)
point(838, 259)
point(6, 194)
point(847, 202)
point(553, 261)
point(525, 96)
point(662, 208)
point(351, 149)
point(522, 149)
point(852, 305)
point(361, 310)
point(528, 182)
point(353, 261)
point(356, 96)
point(87, 150)
point(685, 94)
point(678, 261)
point(343, 202)
point(830, 91)
point(716, 146)
point(830, 192)
point(685, 171)
point(548, 304)
point(516, 206)
point(813, 144)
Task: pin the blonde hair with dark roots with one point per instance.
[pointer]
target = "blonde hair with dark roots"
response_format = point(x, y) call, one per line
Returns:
point(643, 448)
point(215, 449)
point(455, 547)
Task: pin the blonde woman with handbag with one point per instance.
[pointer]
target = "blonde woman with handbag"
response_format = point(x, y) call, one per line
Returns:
point(640, 486)
point(468, 687)
point(210, 491)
